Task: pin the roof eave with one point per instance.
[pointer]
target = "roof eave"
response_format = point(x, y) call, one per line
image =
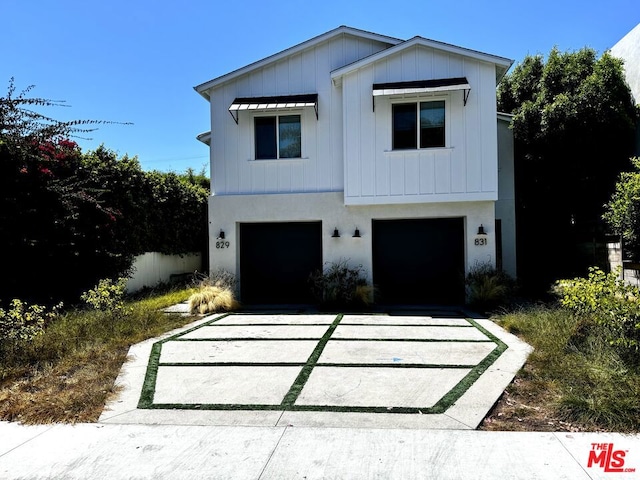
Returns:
point(205, 137)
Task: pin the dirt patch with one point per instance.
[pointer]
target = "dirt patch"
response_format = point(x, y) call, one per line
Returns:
point(528, 406)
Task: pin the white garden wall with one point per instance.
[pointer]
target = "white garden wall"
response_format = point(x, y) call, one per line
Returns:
point(153, 268)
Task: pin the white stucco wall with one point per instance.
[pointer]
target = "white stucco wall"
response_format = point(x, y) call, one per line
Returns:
point(153, 268)
point(227, 212)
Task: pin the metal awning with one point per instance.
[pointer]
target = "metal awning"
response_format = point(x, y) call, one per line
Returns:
point(423, 86)
point(268, 103)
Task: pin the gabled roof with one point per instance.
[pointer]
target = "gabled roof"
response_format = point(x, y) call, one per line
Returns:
point(502, 64)
point(203, 88)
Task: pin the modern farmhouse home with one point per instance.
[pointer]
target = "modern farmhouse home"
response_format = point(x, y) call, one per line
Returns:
point(358, 147)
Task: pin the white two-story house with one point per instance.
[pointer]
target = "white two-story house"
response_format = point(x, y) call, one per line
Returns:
point(358, 147)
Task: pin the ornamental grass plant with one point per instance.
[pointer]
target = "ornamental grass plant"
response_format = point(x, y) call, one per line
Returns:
point(214, 293)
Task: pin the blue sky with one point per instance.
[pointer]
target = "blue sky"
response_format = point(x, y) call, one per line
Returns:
point(138, 60)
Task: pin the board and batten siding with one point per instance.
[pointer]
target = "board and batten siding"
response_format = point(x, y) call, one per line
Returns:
point(233, 169)
point(465, 170)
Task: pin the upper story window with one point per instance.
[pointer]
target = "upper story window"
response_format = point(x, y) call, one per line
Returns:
point(418, 125)
point(278, 136)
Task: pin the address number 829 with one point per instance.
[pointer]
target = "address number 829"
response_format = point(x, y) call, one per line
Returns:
point(222, 244)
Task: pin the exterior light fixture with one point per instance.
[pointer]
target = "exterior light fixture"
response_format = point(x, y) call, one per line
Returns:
point(336, 233)
point(356, 234)
point(220, 235)
point(481, 230)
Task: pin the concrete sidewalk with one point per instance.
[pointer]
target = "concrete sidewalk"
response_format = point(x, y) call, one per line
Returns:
point(116, 452)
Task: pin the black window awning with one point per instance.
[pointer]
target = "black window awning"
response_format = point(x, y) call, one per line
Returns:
point(275, 102)
point(423, 86)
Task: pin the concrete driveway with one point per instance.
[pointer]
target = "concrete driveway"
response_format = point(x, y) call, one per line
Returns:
point(320, 370)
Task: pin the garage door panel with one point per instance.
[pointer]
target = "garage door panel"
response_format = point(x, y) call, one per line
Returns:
point(276, 260)
point(419, 260)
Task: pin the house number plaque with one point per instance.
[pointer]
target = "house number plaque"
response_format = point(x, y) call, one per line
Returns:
point(480, 241)
point(222, 244)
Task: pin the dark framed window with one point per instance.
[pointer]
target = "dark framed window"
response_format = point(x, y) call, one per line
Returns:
point(431, 124)
point(405, 133)
point(418, 125)
point(265, 128)
point(278, 136)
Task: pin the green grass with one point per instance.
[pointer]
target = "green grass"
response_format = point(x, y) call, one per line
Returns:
point(158, 301)
point(67, 374)
point(591, 382)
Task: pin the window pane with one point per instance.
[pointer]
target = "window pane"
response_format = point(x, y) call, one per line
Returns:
point(404, 126)
point(432, 124)
point(290, 135)
point(265, 129)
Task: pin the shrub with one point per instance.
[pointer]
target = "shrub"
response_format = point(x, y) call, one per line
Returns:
point(609, 301)
point(216, 293)
point(488, 288)
point(340, 285)
point(107, 295)
point(23, 322)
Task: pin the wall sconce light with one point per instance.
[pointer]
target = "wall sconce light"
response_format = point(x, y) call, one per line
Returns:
point(336, 233)
point(220, 235)
point(356, 234)
point(481, 230)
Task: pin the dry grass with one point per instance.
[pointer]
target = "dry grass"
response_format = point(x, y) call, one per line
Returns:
point(67, 374)
point(212, 299)
point(70, 391)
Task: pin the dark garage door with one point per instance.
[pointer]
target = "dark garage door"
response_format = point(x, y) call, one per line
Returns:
point(419, 261)
point(276, 260)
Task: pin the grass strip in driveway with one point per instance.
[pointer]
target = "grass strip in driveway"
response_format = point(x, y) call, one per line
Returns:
point(149, 385)
point(291, 396)
point(456, 392)
point(289, 400)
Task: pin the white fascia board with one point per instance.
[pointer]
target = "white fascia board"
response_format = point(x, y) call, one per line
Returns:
point(505, 117)
point(203, 88)
point(502, 64)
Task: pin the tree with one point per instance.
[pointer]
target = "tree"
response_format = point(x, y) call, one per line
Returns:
point(44, 204)
point(574, 123)
point(193, 178)
point(69, 219)
point(622, 212)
